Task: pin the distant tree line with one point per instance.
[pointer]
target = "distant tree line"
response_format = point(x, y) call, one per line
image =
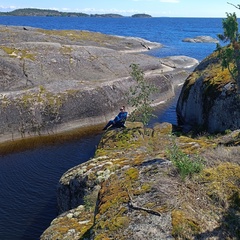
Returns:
point(141, 15)
point(55, 13)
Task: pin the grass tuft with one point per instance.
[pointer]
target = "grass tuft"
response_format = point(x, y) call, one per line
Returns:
point(186, 165)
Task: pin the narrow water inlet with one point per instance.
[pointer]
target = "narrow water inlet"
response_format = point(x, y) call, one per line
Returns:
point(30, 175)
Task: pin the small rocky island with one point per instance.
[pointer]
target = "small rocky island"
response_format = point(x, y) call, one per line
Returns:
point(141, 15)
point(201, 39)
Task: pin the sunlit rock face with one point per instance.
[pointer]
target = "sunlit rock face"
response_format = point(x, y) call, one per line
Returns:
point(209, 99)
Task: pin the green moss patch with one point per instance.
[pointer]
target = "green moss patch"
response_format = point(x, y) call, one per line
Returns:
point(211, 73)
point(82, 36)
point(183, 226)
point(222, 183)
point(18, 53)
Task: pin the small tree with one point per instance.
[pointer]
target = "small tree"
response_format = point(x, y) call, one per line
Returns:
point(139, 97)
point(230, 55)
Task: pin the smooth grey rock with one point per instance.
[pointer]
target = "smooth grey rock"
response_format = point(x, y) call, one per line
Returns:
point(201, 39)
point(52, 81)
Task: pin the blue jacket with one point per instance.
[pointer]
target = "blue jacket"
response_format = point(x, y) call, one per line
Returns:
point(121, 117)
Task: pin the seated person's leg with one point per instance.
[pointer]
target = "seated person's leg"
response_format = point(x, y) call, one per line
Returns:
point(110, 123)
point(119, 124)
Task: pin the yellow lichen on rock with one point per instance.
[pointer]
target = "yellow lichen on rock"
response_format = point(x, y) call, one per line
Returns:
point(138, 192)
point(222, 183)
point(18, 53)
point(183, 226)
point(71, 225)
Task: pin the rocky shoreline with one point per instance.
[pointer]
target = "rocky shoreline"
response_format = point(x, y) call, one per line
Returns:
point(131, 190)
point(53, 81)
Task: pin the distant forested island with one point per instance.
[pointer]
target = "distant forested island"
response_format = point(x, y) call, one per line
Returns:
point(55, 13)
point(141, 15)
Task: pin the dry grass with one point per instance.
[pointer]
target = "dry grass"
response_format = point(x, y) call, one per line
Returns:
point(222, 154)
point(209, 203)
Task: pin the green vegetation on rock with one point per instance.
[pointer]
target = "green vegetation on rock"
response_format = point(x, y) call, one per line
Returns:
point(17, 53)
point(142, 190)
point(230, 55)
point(185, 165)
point(139, 97)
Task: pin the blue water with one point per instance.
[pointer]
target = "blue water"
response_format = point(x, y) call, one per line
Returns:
point(168, 31)
point(29, 179)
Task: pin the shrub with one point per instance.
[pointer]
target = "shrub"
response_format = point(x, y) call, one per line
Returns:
point(185, 165)
point(139, 97)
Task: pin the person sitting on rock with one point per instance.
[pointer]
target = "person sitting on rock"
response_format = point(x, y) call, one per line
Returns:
point(118, 121)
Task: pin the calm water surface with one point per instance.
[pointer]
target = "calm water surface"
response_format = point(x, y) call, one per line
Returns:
point(29, 179)
point(28, 186)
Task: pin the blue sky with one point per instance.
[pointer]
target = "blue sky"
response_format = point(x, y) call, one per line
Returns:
point(156, 8)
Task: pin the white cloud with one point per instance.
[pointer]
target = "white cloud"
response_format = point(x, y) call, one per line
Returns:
point(66, 9)
point(8, 7)
point(102, 11)
point(164, 1)
point(170, 1)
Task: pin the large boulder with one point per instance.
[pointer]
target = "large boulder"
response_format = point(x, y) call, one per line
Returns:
point(209, 100)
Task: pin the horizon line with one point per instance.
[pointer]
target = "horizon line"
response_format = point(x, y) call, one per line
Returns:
point(46, 9)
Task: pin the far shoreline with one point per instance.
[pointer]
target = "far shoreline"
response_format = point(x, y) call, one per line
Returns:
point(31, 12)
point(55, 13)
